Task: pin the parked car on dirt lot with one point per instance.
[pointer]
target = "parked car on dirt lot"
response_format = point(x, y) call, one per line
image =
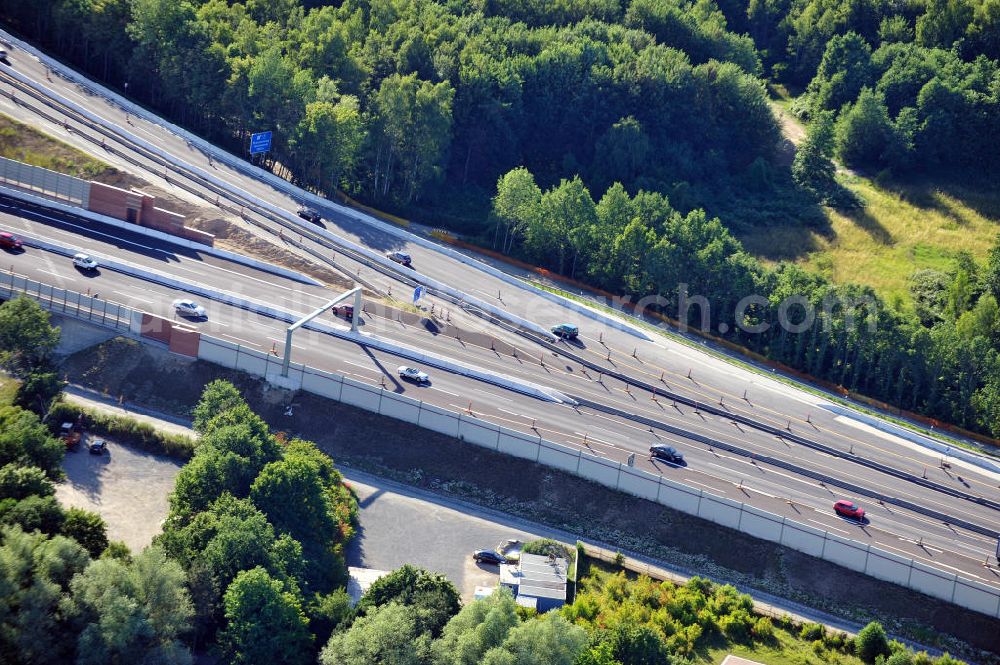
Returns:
point(97, 446)
point(69, 435)
point(846, 508)
point(488, 556)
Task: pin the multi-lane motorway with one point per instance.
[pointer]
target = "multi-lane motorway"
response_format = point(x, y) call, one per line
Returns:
point(673, 366)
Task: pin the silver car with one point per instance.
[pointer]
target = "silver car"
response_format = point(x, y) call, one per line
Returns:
point(186, 307)
point(412, 374)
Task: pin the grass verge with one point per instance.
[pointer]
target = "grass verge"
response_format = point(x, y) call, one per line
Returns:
point(24, 144)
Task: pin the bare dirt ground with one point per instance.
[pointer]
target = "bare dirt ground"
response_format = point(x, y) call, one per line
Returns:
point(418, 457)
point(125, 486)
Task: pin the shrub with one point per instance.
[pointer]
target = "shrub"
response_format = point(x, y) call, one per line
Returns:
point(736, 626)
point(763, 629)
point(817, 646)
point(86, 528)
point(125, 430)
point(871, 642)
point(19, 482)
point(116, 549)
point(811, 632)
point(34, 513)
point(547, 546)
point(835, 641)
point(900, 657)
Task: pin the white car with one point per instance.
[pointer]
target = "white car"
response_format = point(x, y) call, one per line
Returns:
point(412, 374)
point(84, 262)
point(186, 307)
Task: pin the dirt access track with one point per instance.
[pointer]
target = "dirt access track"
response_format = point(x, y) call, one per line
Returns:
point(445, 465)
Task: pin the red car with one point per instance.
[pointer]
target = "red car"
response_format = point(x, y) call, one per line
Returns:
point(849, 509)
point(9, 240)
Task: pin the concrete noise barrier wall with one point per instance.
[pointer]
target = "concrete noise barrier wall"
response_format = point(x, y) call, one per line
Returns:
point(850, 554)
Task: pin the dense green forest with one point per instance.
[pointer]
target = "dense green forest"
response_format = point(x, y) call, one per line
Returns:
point(621, 142)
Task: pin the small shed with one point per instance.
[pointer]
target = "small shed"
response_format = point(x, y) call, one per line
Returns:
point(536, 581)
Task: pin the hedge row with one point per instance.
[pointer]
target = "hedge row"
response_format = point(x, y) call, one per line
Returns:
point(124, 429)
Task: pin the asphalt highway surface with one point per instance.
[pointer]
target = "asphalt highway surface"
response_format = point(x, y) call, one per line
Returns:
point(675, 366)
point(735, 476)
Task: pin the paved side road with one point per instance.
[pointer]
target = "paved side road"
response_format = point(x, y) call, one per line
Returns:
point(401, 526)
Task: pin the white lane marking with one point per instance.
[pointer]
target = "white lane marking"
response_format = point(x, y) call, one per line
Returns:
point(240, 339)
point(492, 395)
point(129, 296)
point(688, 481)
point(826, 527)
point(49, 272)
point(446, 392)
point(364, 367)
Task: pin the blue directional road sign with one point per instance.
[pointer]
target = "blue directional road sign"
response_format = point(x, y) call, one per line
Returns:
point(417, 293)
point(260, 142)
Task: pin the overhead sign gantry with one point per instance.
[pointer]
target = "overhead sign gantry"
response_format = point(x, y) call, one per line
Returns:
point(356, 292)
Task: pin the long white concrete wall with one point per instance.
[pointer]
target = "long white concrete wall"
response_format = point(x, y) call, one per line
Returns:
point(66, 302)
point(850, 554)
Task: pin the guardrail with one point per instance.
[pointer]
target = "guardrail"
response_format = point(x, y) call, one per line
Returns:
point(70, 303)
point(860, 557)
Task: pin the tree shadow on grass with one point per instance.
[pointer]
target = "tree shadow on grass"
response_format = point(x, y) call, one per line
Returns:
point(865, 221)
point(925, 192)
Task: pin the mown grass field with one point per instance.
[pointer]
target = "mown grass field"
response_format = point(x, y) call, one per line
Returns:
point(905, 226)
